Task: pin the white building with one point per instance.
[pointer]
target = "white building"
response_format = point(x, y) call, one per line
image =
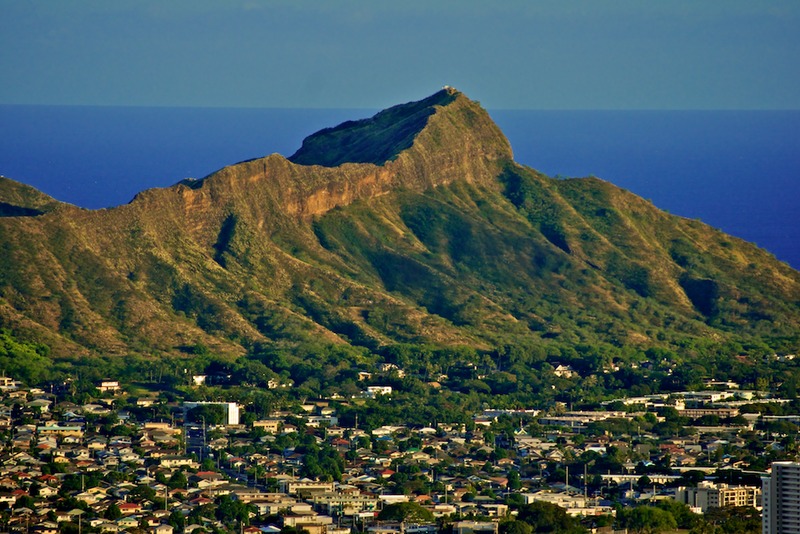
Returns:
point(108, 386)
point(375, 391)
point(710, 495)
point(781, 499)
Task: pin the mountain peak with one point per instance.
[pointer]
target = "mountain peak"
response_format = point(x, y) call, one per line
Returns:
point(384, 136)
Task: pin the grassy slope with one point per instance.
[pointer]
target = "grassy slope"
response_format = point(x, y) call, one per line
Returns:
point(500, 270)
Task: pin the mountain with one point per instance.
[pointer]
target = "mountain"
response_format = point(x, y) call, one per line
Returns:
point(414, 226)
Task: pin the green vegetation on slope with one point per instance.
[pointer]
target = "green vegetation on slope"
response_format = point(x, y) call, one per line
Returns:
point(449, 245)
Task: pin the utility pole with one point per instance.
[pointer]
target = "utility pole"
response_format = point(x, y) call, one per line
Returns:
point(585, 484)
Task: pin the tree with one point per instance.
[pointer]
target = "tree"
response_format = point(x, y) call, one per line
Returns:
point(683, 515)
point(230, 510)
point(546, 517)
point(515, 527)
point(178, 480)
point(142, 491)
point(25, 501)
point(113, 512)
point(649, 520)
point(177, 520)
point(325, 463)
point(692, 478)
point(211, 414)
point(735, 519)
point(643, 483)
point(407, 512)
point(703, 526)
point(515, 500)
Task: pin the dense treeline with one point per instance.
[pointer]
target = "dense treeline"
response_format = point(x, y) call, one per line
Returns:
point(429, 383)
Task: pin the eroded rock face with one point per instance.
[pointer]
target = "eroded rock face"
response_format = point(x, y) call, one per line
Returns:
point(455, 140)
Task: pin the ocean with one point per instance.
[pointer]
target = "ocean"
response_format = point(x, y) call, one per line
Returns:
point(735, 170)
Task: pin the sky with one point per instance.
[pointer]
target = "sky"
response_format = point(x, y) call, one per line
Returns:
point(508, 54)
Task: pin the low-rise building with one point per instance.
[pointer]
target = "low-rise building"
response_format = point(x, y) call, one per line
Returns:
point(108, 386)
point(293, 487)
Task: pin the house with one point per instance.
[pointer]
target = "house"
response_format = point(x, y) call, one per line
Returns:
point(56, 429)
point(130, 521)
point(6, 382)
point(42, 405)
point(376, 391)
point(46, 527)
point(96, 443)
point(270, 426)
point(171, 461)
point(108, 386)
point(390, 367)
point(564, 371)
point(312, 522)
point(128, 508)
point(275, 384)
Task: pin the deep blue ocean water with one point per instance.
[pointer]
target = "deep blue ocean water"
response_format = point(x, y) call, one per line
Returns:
point(736, 170)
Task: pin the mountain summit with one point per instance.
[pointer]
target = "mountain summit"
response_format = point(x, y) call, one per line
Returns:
point(445, 116)
point(413, 226)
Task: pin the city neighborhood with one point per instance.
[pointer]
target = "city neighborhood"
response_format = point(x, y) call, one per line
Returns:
point(108, 466)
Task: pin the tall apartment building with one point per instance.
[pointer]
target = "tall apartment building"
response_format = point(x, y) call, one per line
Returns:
point(781, 499)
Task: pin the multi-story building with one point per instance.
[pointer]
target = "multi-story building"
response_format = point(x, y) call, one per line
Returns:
point(709, 495)
point(781, 499)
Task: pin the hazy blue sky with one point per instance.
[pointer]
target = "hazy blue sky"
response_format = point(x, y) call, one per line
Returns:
point(528, 54)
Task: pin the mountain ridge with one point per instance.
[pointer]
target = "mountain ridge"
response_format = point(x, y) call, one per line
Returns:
point(447, 240)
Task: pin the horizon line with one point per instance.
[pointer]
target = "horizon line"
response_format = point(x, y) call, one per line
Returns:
point(366, 109)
